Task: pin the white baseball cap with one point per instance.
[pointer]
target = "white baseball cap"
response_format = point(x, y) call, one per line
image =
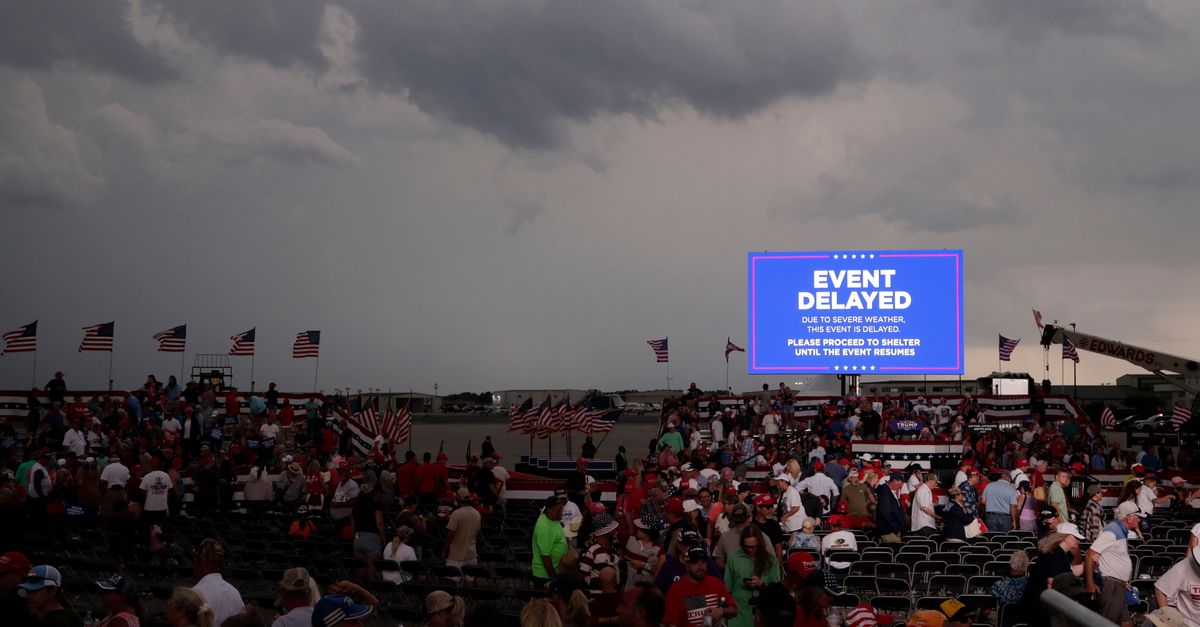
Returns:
point(1070, 529)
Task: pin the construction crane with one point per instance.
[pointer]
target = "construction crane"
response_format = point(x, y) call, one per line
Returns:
point(1164, 365)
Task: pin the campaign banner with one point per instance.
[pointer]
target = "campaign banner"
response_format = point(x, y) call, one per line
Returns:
point(856, 312)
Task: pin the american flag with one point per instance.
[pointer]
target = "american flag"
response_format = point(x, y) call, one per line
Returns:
point(600, 420)
point(1037, 319)
point(1006, 348)
point(98, 337)
point(366, 418)
point(1107, 419)
point(1180, 416)
point(243, 344)
point(545, 422)
point(21, 339)
point(660, 349)
point(1069, 351)
point(307, 344)
point(730, 347)
point(696, 604)
point(172, 340)
point(403, 424)
point(520, 417)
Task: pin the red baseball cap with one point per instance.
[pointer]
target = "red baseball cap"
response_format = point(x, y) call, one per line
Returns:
point(801, 563)
point(581, 460)
point(818, 465)
point(764, 499)
point(1022, 463)
point(442, 456)
point(844, 462)
point(14, 562)
point(674, 505)
point(1077, 467)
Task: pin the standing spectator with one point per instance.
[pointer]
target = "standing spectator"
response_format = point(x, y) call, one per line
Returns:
point(41, 483)
point(485, 484)
point(969, 493)
point(889, 515)
point(1181, 583)
point(441, 477)
point(56, 388)
point(406, 475)
point(792, 513)
point(207, 562)
point(858, 497)
point(621, 460)
point(642, 552)
point(409, 516)
point(74, 440)
point(698, 594)
point(924, 517)
point(344, 497)
point(747, 571)
point(819, 484)
point(1092, 520)
point(1053, 559)
point(367, 519)
point(997, 500)
point(156, 488)
point(1056, 495)
point(427, 480)
point(549, 541)
point(462, 530)
point(33, 404)
point(577, 483)
point(600, 552)
point(1111, 552)
point(956, 516)
point(297, 592)
point(1147, 496)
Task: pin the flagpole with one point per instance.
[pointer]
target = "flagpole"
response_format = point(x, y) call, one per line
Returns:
point(110, 379)
point(317, 368)
point(35, 368)
point(182, 359)
point(1075, 373)
point(726, 374)
point(251, 373)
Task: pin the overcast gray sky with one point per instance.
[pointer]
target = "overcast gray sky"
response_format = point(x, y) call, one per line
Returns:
point(519, 193)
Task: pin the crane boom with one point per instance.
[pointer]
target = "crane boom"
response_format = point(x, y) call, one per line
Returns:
point(1155, 361)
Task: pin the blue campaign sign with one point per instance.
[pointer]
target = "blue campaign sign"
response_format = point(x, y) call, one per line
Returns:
point(856, 312)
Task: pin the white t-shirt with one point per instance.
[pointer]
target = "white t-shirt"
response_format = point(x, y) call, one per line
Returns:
point(404, 553)
point(1113, 556)
point(1145, 499)
point(791, 499)
point(156, 484)
point(817, 453)
point(819, 484)
point(1183, 584)
point(770, 424)
point(225, 600)
point(502, 476)
point(268, 430)
point(922, 498)
point(115, 474)
point(172, 425)
point(572, 518)
point(718, 430)
point(341, 495)
point(75, 441)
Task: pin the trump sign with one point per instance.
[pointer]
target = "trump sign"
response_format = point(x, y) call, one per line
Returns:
point(856, 312)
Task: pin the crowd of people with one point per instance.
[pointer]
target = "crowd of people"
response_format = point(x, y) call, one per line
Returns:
point(735, 516)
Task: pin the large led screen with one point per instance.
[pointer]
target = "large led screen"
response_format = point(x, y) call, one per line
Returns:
point(880, 312)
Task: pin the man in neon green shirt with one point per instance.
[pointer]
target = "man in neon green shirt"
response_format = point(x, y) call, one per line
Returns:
point(1056, 496)
point(671, 438)
point(549, 541)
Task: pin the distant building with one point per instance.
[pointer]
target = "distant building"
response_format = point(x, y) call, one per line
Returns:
point(508, 398)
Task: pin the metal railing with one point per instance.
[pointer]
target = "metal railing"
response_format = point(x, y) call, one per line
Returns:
point(1072, 611)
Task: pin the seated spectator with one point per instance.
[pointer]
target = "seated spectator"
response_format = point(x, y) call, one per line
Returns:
point(602, 604)
point(814, 599)
point(296, 594)
point(398, 551)
point(1012, 588)
point(185, 608)
point(443, 609)
point(42, 589)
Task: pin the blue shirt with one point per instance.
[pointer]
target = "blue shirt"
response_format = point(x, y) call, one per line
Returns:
point(1098, 461)
point(999, 495)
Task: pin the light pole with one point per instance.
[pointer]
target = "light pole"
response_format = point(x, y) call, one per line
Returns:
point(434, 399)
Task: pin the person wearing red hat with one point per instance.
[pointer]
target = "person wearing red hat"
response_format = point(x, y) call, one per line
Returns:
point(427, 480)
point(13, 566)
point(763, 516)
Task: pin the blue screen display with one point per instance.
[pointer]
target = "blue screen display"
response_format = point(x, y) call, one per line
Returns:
point(878, 312)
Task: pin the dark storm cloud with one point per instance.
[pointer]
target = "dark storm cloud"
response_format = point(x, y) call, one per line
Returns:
point(520, 70)
point(1027, 20)
point(280, 32)
point(89, 35)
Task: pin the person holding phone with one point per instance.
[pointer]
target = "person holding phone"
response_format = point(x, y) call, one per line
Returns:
point(748, 570)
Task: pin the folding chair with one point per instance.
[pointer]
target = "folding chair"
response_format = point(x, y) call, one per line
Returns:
point(946, 586)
